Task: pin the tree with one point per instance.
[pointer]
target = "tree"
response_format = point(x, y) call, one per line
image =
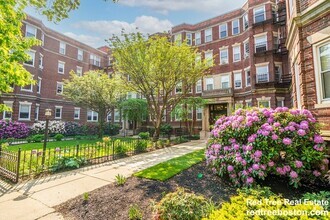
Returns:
point(13, 45)
point(95, 91)
point(134, 110)
point(156, 67)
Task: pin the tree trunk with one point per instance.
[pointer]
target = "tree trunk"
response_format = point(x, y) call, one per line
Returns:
point(101, 124)
point(157, 129)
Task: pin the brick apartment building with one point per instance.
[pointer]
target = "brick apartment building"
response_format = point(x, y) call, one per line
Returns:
point(50, 65)
point(308, 42)
point(250, 59)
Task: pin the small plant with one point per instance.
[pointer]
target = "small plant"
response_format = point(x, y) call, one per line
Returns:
point(322, 196)
point(85, 196)
point(144, 135)
point(180, 140)
point(120, 148)
point(37, 138)
point(166, 129)
point(141, 146)
point(120, 180)
point(182, 205)
point(68, 163)
point(135, 213)
point(106, 139)
point(29, 139)
point(59, 137)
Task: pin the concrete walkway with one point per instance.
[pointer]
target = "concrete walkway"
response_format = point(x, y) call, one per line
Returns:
point(36, 198)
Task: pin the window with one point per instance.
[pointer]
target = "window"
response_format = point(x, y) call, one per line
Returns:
point(198, 38)
point(259, 14)
point(62, 48)
point(263, 104)
point(223, 56)
point(324, 67)
point(30, 31)
point(41, 61)
point(223, 31)
point(42, 39)
point(280, 101)
point(39, 85)
point(76, 114)
point(278, 72)
point(246, 49)
point(36, 112)
point(24, 111)
point(235, 25)
point(8, 114)
point(59, 88)
point(209, 83)
point(109, 117)
point(262, 74)
point(248, 77)
point(245, 21)
point(238, 80)
point(209, 57)
point(92, 115)
point(248, 103)
point(224, 81)
point(260, 43)
point(80, 55)
point(198, 58)
point(79, 71)
point(236, 53)
point(95, 60)
point(61, 66)
point(297, 83)
point(190, 113)
point(27, 88)
point(199, 86)
point(189, 38)
point(117, 116)
point(32, 55)
point(290, 7)
point(208, 35)
point(58, 112)
point(178, 88)
point(178, 39)
point(199, 114)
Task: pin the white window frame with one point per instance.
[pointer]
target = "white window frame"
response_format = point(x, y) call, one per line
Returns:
point(246, 77)
point(280, 100)
point(208, 55)
point(61, 84)
point(32, 54)
point(260, 101)
point(254, 13)
point(74, 113)
point(41, 61)
point(61, 111)
point(62, 49)
point(178, 88)
point(39, 85)
point(27, 90)
point(225, 78)
point(238, 26)
point(198, 38)
point(92, 114)
point(224, 61)
point(80, 53)
point(245, 19)
point(239, 53)
point(199, 111)
point(257, 74)
point(246, 48)
point(58, 67)
point(220, 26)
point(189, 39)
point(209, 81)
point(9, 104)
point(116, 117)
point(238, 77)
point(20, 108)
point(258, 42)
point(199, 87)
point(79, 71)
point(208, 35)
point(248, 103)
point(42, 39)
point(36, 112)
point(95, 60)
point(27, 26)
point(280, 67)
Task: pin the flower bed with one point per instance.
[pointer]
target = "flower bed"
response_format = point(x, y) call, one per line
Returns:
point(253, 143)
point(11, 129)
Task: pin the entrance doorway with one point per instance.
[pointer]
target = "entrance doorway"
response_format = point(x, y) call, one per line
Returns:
point(216, 111)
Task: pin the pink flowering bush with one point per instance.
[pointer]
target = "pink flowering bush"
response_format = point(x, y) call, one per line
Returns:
point(251, 144)
point(13, 129)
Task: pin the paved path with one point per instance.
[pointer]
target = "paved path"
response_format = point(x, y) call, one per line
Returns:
point(36, 198)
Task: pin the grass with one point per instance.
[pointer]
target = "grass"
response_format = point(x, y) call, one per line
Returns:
point(51, 145)
point(165, 170)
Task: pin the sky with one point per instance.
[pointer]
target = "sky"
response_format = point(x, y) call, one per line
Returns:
point(97, 20)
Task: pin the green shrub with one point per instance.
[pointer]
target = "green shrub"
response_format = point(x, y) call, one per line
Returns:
point(180, 140)
point(246, 202)
point(59, 137)
point(29, 139)
point(135, 213)
point(182, 205)
point(144, 135)
point(120, 180)
point(320, 196)
point(37, 137)
point(166, 129)
point(141, 146)
point(120, 148)
point(68, 163)
point(10, 140)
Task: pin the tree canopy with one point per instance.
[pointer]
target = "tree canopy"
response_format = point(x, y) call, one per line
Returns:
point(95, 91)
point(162, 71)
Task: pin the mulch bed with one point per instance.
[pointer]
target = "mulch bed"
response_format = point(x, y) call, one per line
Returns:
point(113, 202)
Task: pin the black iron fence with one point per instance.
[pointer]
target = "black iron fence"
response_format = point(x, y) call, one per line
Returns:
point(26, 164)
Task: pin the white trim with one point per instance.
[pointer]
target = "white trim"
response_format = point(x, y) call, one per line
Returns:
point(33, 59)
point(39, 85)
point(58, 67)
point(57, 84)
point(232, 27)
point(19, 111)
point(258, 7)
point(220, 31)
point(262, 64)
point(74, 113)
point(61, 110)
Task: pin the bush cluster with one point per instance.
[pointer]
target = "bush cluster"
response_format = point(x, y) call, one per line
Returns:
point(251, 144)
point(11, 129)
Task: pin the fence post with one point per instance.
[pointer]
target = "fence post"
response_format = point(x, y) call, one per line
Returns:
point(77, 150)
point(18, 164)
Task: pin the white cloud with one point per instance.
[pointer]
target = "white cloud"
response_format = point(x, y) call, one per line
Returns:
point(89, 40)
point(143, 24)
point(164, 6)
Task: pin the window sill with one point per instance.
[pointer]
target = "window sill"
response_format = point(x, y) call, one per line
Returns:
point(322, 105)
point(24, 119)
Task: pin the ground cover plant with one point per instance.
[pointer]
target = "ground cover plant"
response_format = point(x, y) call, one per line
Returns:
point(251, 144)
point(168, 169)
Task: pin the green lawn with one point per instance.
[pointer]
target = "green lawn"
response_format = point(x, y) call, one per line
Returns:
point(51, 145)
point(168, 169)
